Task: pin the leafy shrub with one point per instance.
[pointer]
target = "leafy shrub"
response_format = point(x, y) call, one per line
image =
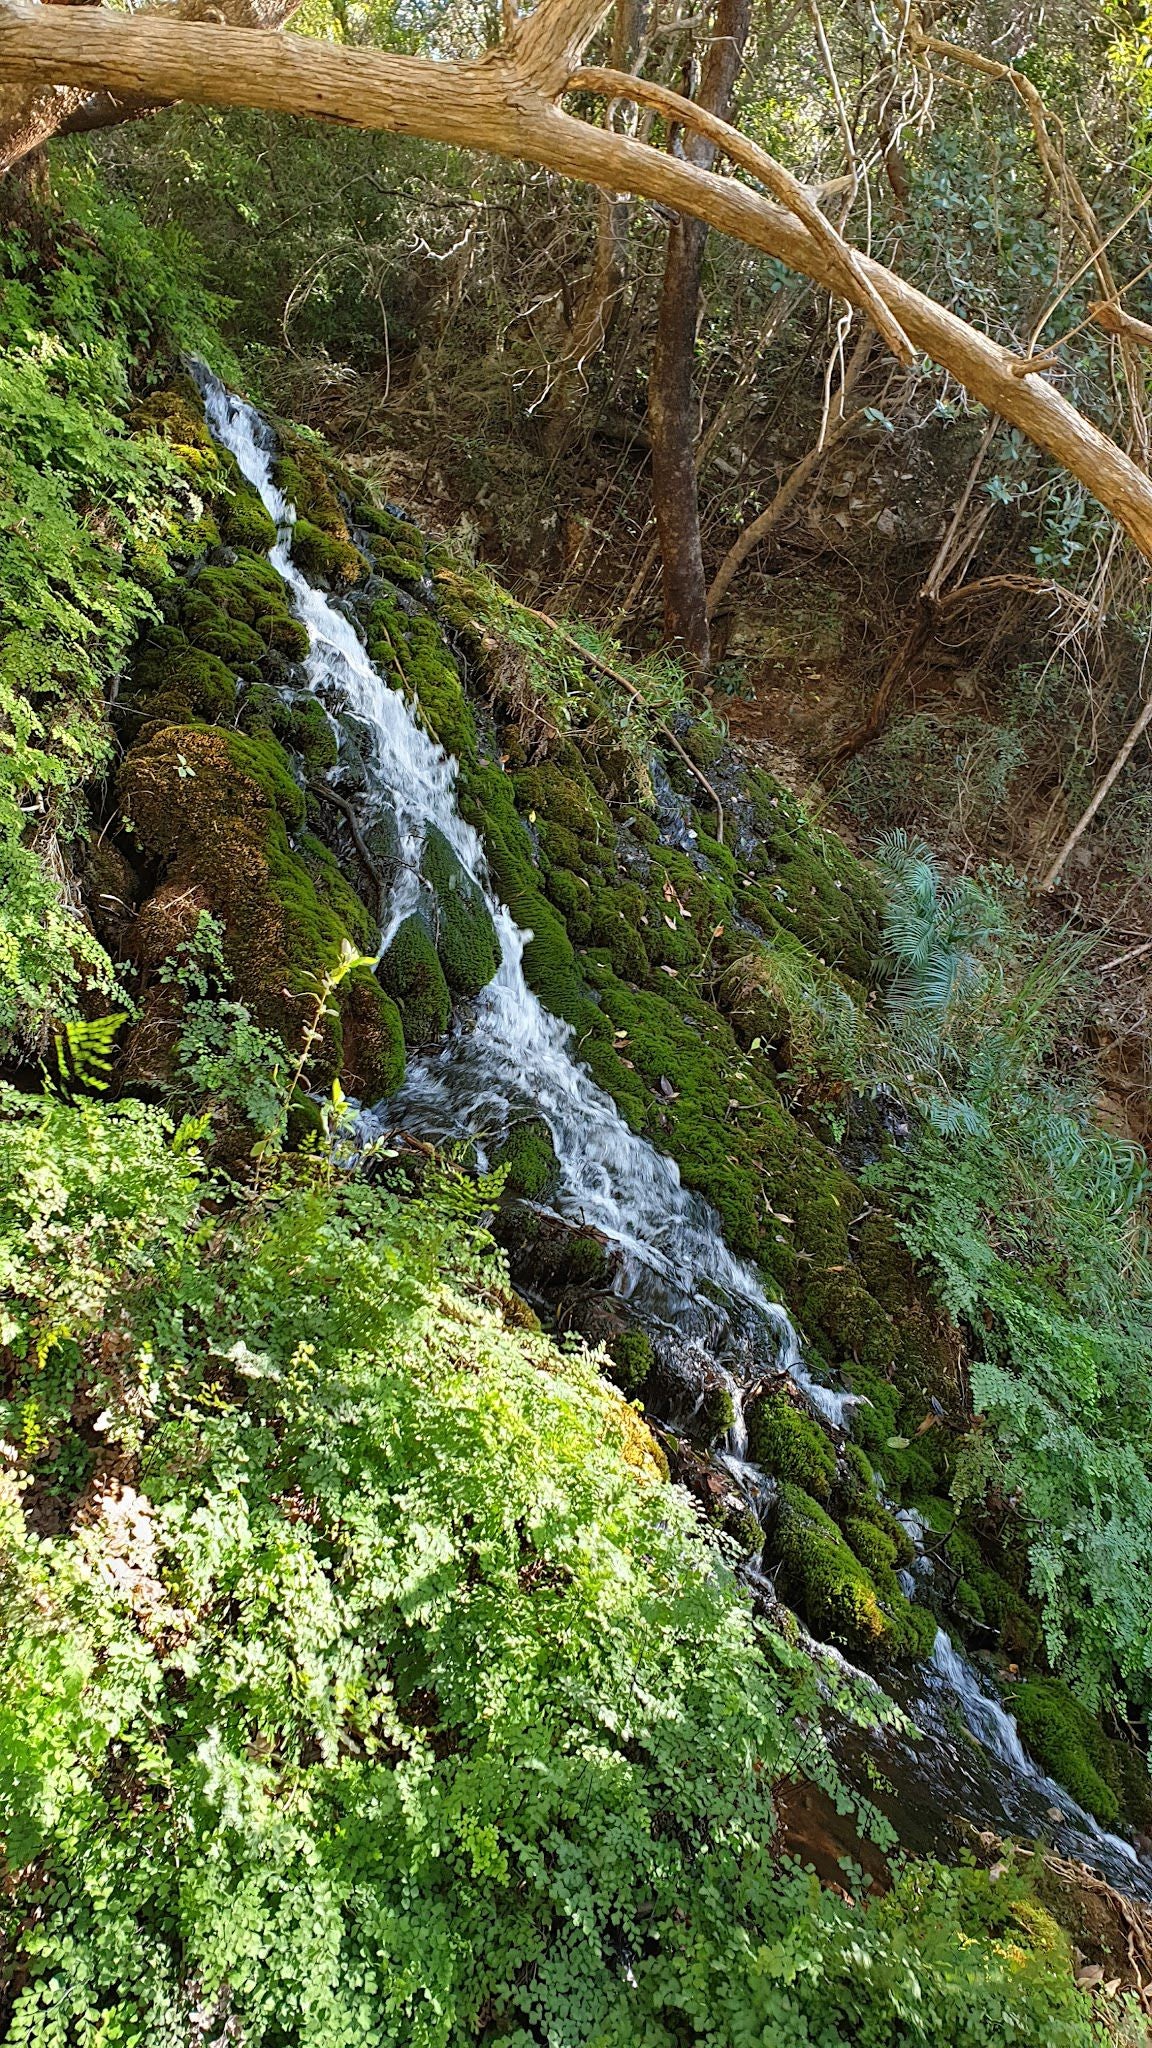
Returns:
point(389, 1694)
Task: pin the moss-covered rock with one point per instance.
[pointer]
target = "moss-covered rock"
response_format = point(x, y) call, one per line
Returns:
point(372, 1047)
point(530, 1156)
point(791, 1445)
point(218, 810)
point(299, 722)
point(244, 523)
point(411, 650)
point(326, 559)
point(824, 1579)
point(466, 941)
point(412, 976)
point(1063, 1736)
point(172, 679)
point(631, 1354)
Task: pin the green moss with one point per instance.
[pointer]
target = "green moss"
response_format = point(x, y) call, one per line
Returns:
point(587, 1263)
point(305, 1122)
point(530, 1156)
point(466, 941)
point(572, 897)
point(216, 809)
point(872, 1545)
point(791, 1445)
point(631, 1354)
point(309, 477)
point(411, 648)
point(244, 523)
point(324, 558)
point(372, 1038)
point(1063, 1736)
point(169, 668)
point(334, 889)
point(566, 803)
point(822, 1577)
point(300, 723)
point(177, 416)
point(614, 923)
point(411, 974)
point(808, 883)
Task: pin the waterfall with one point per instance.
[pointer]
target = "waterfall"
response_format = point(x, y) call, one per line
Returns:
point(996, 1728)
point(510, 1055)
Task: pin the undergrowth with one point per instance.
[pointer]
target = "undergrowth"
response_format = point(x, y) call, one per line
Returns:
point(381, 1689)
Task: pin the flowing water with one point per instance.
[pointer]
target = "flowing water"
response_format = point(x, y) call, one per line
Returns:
point(506, 1057)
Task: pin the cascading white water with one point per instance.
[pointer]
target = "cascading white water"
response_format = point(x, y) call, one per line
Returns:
point(511, 1056)
point(996, 1728)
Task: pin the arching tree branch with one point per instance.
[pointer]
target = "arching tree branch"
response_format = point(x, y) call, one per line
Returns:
point(497, 105)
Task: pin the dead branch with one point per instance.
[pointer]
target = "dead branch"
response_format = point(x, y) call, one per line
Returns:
point(1049, 879)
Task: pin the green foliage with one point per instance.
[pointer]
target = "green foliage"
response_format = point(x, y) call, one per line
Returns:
point(1033, 1222)
point(222, 1053)
point(94, 1200)
point(84, 1050)
point(88, 512)
point(398, 1700)
point(932, 933)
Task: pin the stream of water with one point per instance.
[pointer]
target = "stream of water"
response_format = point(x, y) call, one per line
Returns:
point(508, 1056)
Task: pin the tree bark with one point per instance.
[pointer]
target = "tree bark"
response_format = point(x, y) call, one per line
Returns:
point(504, 103)
point(30, 116)
point(673, 407)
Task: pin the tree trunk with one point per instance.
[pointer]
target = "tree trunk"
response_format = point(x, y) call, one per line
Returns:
point(673, 407)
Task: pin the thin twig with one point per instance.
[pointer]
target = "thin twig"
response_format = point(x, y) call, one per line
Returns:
point(626, 683)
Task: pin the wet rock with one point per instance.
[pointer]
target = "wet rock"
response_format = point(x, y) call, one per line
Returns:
point(550, 1259)
point(689, 1390)
point(715, 1492)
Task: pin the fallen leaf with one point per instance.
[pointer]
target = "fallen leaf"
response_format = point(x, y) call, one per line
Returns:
point(669, 1093)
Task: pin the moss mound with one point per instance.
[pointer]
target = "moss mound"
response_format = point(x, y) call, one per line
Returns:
point(631, 1354)
point(1063, 1736)
point(412, 976)
point(466, 941)
point(530, 1156)
point(791, 1446)
point(217, 810)
point(824, 1578)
